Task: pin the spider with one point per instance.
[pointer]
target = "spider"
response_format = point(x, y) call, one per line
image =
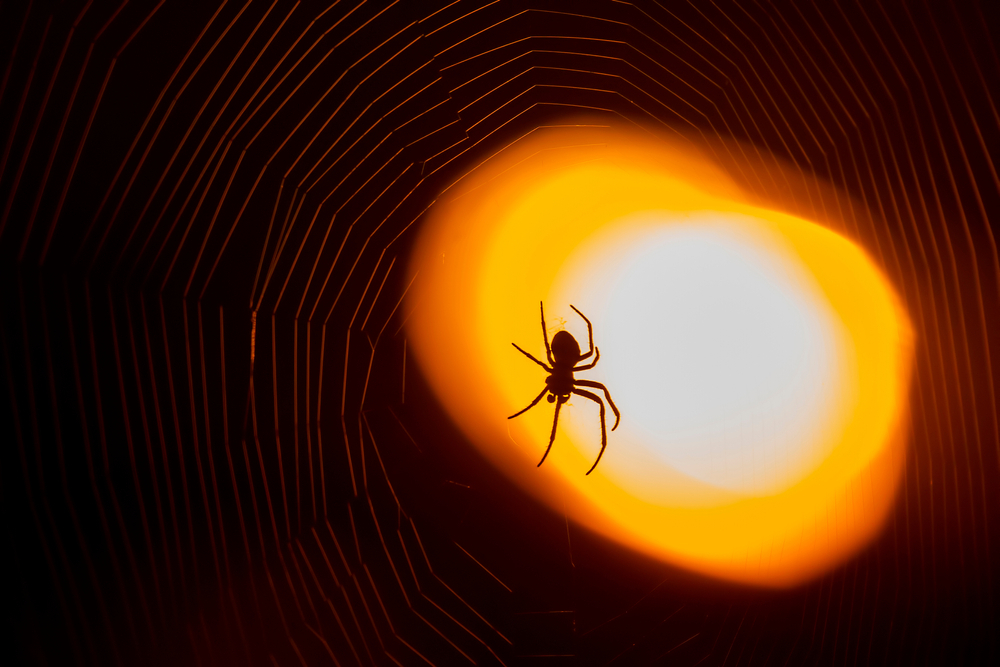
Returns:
point(563, 355)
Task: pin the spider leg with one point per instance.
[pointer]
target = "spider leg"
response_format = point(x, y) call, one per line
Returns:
point(607, 395)
point(590, 332)
point(597, 355)
point(545, 335)
point(552, 438)
point(533, 403)
point(604, 431)
point(532, 358)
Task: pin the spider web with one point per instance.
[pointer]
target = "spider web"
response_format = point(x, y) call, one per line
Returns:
point(216, 449)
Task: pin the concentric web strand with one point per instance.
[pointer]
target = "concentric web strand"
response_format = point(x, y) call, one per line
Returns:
point(216, 446)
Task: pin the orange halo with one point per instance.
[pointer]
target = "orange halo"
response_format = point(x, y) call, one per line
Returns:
point(547, 220)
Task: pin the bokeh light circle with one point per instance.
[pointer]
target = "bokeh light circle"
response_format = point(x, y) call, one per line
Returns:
point(724, 357)
point(761, 362)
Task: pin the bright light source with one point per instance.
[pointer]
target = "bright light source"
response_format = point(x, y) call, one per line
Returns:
point(720, 352)
point(760, 361)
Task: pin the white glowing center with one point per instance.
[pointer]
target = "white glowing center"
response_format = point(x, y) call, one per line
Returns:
point(719, 357)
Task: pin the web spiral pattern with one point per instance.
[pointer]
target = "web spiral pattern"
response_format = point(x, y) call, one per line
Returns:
point(215, 450)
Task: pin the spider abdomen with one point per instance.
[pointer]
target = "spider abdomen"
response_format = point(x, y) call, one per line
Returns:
point(565, 349)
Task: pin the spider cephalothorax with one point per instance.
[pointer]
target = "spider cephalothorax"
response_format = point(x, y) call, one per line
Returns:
point(563, 355)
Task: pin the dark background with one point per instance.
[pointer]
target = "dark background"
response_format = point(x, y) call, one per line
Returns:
point(215, 449)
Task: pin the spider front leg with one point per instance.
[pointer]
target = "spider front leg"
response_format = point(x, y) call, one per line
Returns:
point(607, 395)
point(533, 403)
point(604, 430)
point(555, 422)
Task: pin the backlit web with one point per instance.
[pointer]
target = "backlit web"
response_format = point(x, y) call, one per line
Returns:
point(215, 448)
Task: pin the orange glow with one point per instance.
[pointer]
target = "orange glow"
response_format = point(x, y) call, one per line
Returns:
point(760, 361)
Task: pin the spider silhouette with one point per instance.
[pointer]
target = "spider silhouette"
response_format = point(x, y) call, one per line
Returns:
point(564, 354)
